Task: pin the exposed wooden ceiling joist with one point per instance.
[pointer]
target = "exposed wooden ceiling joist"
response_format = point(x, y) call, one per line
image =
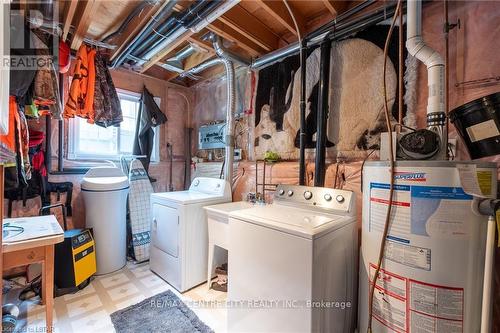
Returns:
point(203, 44)
point(250, 27)
point(335, 7)
point(160, 55)
point(69, 18)
point(192, 61)
point(280, 13)
point(138, 27)
point(86, 16)
point(230, 34)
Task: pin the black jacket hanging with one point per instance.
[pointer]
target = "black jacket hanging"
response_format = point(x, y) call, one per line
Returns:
point(149, 116)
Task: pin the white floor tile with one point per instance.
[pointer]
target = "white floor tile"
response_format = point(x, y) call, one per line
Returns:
point(113, 280)
point(94, 322)
point(122, 291)
point(83, 305)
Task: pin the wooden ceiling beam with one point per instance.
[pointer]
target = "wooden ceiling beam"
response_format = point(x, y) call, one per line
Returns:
point(90, 6)
point(69, 18)
point(144, 19)
point(250, 27)
point(280, 13)
point(227, 32)
point(192, 61)
point(167, 50)
point(335, 7)
point(203, 44)
point(230, 34)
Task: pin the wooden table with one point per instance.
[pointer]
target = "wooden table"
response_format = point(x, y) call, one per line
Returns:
point(23, 252)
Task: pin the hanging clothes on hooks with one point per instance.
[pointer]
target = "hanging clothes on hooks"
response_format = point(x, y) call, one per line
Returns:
point(46, 84)
point(77, 97)
point(149, 116)
point(92, 94)
point(107, 108)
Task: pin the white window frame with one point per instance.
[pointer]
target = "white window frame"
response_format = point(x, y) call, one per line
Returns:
point(73, 135)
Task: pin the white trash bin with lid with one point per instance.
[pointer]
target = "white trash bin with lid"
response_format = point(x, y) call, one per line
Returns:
point(105, 191)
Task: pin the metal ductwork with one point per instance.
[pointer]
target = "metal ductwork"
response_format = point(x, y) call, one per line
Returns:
point(416, 46)
point(222, 52)
point(226, 58)
point(175, 64)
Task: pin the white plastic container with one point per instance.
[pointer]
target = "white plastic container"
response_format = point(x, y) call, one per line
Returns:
point(432, 275)
point(105, 191)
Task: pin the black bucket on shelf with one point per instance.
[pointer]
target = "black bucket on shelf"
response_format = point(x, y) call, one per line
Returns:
point(478, 123)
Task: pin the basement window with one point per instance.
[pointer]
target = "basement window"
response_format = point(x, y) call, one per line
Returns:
point(89, 142)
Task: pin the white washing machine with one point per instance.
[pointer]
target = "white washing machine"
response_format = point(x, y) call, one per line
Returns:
point(179, 237)
point(293, 264)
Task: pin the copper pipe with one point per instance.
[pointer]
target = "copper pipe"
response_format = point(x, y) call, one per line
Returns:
point(401, 69)
point(392, 172)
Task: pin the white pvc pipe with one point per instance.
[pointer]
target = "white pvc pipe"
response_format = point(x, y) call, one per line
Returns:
point(417, 47)
point(489, 265)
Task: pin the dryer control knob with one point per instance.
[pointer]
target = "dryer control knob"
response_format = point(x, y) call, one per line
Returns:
point(282, 192)
point(328, 197)
point(290, 193)
point(308, 195)
point(339, 198)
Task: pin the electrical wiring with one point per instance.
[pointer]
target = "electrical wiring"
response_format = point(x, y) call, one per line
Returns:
point(290, 11)
point(397, 12)
point(363, 167)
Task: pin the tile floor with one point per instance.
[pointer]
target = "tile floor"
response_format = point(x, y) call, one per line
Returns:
point(88, 310)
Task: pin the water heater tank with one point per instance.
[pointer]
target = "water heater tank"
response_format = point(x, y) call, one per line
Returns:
point(432, 272)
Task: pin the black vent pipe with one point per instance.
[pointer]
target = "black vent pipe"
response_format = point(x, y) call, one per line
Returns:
point(302, 137)
point(156, 37)
point(165, 28)
point(323, 109)
point(192, 16)
point(139, 39)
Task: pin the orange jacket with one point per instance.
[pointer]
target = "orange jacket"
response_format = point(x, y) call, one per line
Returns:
point(81, 93)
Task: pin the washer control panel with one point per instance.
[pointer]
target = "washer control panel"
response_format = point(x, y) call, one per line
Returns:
point(320, 197)
point(210, 185)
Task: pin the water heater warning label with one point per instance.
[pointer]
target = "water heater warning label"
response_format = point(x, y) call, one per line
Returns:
point(412, 256)
point(389, 299)
point(405, 305)
point(434, 309)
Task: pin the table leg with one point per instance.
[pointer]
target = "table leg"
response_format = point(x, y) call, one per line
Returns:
point(48, 286)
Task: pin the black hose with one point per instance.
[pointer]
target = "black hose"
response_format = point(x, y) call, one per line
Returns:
point(302, 137)
point(321, 117)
